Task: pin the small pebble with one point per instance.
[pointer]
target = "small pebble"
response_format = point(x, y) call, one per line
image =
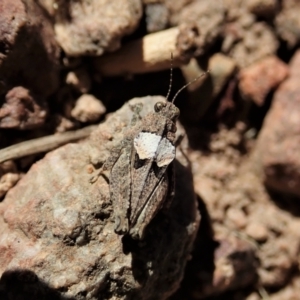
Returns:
point(88, 109)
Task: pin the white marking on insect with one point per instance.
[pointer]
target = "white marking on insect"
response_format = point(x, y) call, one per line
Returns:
point(165, 153)
point(145, 144)
point(150, 145)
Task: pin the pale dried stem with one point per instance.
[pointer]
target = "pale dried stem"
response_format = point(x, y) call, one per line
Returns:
point(148, 54)
point(44, 144)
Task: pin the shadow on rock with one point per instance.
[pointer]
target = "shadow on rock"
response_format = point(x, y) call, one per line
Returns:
point(199, 271)
point(22, 284)
point(159, 260)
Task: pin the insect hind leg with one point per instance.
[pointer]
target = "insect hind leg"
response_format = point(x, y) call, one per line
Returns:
point(120, 191)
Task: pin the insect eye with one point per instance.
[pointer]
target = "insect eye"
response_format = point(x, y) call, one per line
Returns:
point(158, 106)
point(177, 113)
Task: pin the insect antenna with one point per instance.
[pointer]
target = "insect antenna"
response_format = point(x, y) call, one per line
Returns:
point(171, 77)
point(189, 83)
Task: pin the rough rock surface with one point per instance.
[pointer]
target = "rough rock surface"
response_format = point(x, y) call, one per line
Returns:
point(9, 176)
point(204, 91)
point(157, 17)
point(80, 80)
point(287, 22)
point(291, 292)
point(58, 228)
point(257, 80)
point(88, 109)
point(29, 53)
point(278, 143)
point(208, 20)
point(263, 8)
point(174, 7)
point(241, 34)
point(93, 27)
point(234, 267)
point(244, 237)
point(20, 110)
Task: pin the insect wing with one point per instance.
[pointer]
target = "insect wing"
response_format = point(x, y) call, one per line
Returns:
point(150, 199)
point(165, 153)
point(149, 180)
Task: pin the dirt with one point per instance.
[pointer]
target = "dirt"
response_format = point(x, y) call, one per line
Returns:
point(241, 121)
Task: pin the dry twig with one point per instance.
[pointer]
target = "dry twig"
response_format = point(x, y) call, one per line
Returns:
point(148, 54)
point(44, 144)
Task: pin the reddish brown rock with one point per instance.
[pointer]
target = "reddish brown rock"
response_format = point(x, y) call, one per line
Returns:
point(57, 229)
point(277, 149)
point(257, 80)
point(29, 53)
point(21, 111)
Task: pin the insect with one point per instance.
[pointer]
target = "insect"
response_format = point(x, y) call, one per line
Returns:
point(141, 168)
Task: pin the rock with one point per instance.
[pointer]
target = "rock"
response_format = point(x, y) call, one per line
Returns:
point(236, 203)
point(207, 19)
point(277, 268)
point(287, 22)
point(63, 124)
point(234, 267)
point(29, 54)
point(265, 8)
point(7, 181)
point(94, 27)
point(278, 143)
point(174, 8)
point(21, 111)
point(80, 80)
point(237, 217)
point(240, 36)
point(157, 17)
point(57, 228)
point(88, 109)
point(290, 291)
point(9, 176)
point(257, 231)
point(204, 91)
point(259, 79)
